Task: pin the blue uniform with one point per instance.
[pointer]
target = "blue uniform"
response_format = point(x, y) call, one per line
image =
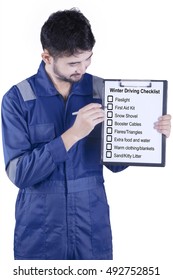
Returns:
point(61, 208)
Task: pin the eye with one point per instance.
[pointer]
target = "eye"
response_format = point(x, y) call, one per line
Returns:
point(73, 64)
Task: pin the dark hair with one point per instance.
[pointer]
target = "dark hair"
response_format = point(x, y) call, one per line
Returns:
point(67, 32)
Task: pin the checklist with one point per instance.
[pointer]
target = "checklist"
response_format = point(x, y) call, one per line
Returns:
point(131, 108)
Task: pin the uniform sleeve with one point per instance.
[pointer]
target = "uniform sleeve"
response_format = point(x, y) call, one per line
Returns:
point(116, 168)
point(26, 166)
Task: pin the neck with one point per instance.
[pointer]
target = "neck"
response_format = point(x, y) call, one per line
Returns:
point(63, 87)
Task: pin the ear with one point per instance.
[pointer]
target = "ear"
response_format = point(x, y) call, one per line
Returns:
point(46, 56)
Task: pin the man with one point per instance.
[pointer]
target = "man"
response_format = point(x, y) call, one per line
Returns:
point(53, 156)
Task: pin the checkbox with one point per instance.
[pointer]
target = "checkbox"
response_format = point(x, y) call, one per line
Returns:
point(109, 146)
point(109, 138)
point(109, 98)
point(109, 122)
point(109, 130)
point(108, 154)
point(110, 106)
point(109, 114)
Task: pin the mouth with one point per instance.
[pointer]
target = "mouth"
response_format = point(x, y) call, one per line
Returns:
point(76, 75)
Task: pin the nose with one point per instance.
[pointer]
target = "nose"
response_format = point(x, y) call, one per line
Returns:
point(82, 68)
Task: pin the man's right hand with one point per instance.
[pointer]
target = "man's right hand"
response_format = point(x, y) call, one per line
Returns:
point(87, 118)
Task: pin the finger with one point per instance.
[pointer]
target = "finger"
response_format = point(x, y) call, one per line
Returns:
point(164, 131)
point(162, 125)
point(90, 107)
point(97, 121)
point(165, 117)
point(93, 113)
point(96, 113)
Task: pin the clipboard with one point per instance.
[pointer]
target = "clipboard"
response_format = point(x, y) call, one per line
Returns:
point(128, 135)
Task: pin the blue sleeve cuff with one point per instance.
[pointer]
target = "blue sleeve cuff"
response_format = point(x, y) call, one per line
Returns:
point(57, 150)
point(116, 168)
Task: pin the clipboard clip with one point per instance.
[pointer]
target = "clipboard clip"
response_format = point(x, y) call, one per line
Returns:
point(135, 83)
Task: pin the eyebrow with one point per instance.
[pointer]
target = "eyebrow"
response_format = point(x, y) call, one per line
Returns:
point(89, 56)
point(80, 61)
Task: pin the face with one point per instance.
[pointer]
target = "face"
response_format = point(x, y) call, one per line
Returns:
point(70, 68)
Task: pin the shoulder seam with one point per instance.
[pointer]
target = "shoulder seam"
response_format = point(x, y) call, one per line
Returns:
point(98, 87)
point(26, 90)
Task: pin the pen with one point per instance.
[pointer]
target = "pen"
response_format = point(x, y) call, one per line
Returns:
point(75, 113)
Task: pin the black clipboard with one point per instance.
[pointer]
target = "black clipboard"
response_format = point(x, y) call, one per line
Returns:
point(131, 108)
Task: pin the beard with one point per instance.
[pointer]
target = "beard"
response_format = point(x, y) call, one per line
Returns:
point(72, 79)
point(76, 77)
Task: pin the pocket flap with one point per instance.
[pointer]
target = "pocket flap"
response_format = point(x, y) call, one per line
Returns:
point(42, 132)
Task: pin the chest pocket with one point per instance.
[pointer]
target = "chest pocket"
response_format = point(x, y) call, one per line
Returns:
point(41, 133)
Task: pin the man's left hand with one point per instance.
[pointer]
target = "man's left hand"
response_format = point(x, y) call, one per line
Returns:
point(163, 125)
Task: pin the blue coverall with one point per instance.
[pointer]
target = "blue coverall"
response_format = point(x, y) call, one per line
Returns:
point(61, 207)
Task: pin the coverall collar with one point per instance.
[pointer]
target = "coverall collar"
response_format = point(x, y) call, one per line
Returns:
point(46, 88)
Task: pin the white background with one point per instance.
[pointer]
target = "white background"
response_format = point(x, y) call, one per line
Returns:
point(133, 41)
